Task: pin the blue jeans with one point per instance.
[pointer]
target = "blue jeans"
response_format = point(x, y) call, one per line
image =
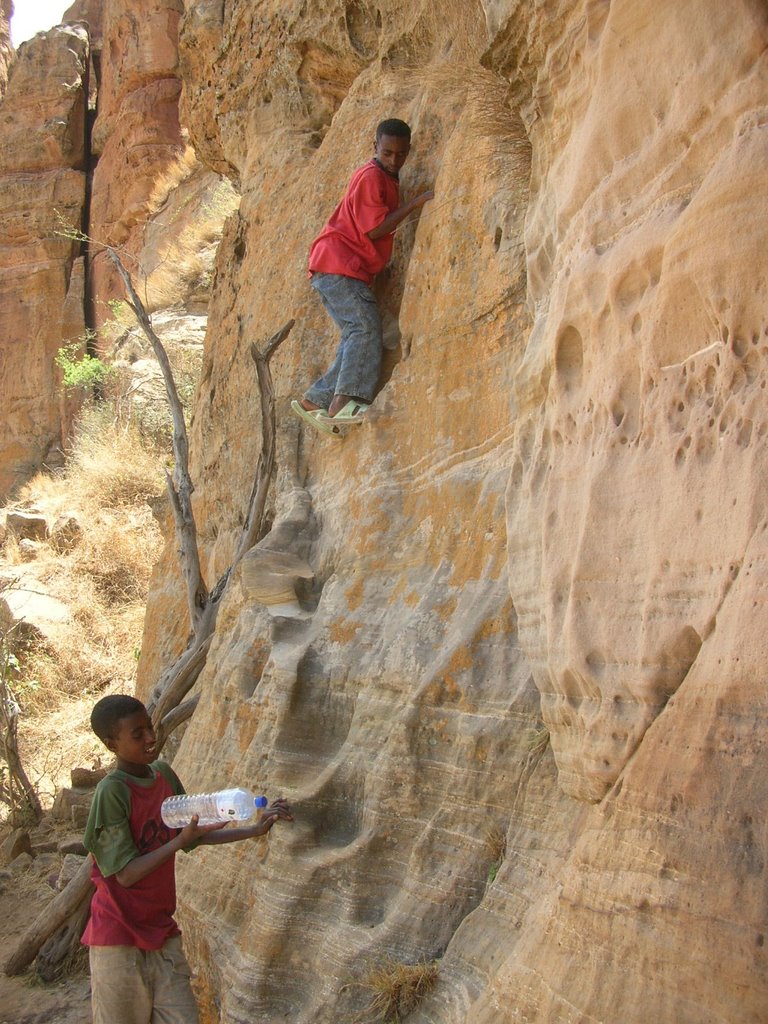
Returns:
point(355, 371)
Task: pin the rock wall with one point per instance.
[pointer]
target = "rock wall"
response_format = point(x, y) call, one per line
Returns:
point(136, 136)
point(42, 188)
point(91, 137)
point(539, 565)
point(6, 46)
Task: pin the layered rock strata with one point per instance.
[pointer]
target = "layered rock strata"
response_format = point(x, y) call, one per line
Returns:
point(538, 567)
point(42, 190)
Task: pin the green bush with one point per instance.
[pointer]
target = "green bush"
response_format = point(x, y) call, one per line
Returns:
point(80, 369)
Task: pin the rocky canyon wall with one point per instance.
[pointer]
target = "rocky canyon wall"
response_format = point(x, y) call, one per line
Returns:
point(92, 141)
point(538, 568)
point(136, 135)
point(6, 47)
point(42, 190)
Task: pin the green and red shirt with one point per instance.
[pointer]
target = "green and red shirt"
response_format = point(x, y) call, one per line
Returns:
point(124, 823)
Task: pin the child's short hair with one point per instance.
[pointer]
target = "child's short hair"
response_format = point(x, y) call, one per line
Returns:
point(393, 126)
point(109, 710)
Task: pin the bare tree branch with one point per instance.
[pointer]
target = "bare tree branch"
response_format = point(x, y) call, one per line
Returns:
point(180, 488)
point(254, 519)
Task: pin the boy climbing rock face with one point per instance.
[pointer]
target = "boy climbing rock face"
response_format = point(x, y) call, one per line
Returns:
point(139, 974)
point(344, 259)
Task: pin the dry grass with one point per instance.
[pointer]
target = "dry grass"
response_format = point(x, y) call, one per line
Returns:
point(396, 989)
point(538, 741)
point(491, 113)
point(110, 468)
point(102, 575)
point(171, 178)
point(496, 845)
point(189, 256)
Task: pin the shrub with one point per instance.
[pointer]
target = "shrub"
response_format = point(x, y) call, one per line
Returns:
point(82, 371)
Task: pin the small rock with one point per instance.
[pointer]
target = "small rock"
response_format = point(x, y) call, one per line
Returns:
point(47, 846)
point(21, 864)
point(65, 533)
point(69, 868)
point(66, 799)
point(72, 845)
point(27, 525)
point(29, 549)
point(18, 842)
point(87, 778)
point(47, 863)
point(80, 815)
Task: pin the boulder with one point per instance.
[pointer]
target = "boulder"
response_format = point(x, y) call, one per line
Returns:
point(16, 843)
point(67, 800)
point(72, 845)
point(21, 864)
point(27, 525)
point(35, 615)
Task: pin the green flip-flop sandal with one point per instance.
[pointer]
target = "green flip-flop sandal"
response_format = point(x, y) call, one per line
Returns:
point(317, 418)
point(352, 412)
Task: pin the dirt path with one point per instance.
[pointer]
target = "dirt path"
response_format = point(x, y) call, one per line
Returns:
point(27, 999)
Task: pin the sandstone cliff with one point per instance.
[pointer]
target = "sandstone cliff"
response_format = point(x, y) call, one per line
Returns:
point(538, 567)
point(92, 140)
point(6, 46)
point(137, 135)
point(42, 185)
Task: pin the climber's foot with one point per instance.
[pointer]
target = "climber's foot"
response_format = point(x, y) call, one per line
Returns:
point(339, 402)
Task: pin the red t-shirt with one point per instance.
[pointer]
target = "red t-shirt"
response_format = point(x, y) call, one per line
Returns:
point(125, 823)
point(343, 246)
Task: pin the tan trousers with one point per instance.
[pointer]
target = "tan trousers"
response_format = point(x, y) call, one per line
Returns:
point(138, 986)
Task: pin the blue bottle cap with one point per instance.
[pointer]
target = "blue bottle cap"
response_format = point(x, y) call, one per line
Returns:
point(260, 801)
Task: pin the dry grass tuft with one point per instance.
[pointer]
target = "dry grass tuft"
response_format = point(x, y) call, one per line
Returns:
point(110, 467)
point(397, 989)
point(538, 741)
point(496, 843)
point(177, 172)
point(188, 258)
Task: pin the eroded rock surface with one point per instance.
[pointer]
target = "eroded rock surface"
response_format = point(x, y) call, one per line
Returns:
point(539, 565)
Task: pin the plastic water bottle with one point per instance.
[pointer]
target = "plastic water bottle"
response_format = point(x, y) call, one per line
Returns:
point(226, 805)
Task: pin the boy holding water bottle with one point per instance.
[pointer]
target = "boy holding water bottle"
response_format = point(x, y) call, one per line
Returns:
point(138, 969)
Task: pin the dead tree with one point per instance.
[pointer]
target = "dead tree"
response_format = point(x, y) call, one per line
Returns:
point(15, 789)
point(62, 921)
point(202, 604)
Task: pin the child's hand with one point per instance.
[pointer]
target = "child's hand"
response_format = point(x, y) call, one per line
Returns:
point(278, 810)
point(424, 197)
point(193, 831)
